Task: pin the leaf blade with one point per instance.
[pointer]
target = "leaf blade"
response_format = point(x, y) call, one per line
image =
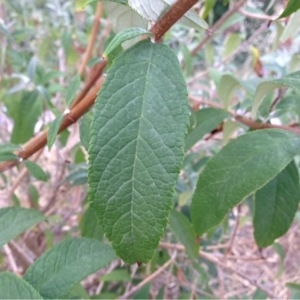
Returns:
point(276, 205)
point(60, 268)
point(15, 220)
point(141, 134)
point(13, 287)
point(238, 170)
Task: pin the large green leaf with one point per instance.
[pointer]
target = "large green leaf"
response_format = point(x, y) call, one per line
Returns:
point(15, 220)
point(63, 266)
point(238, 170)
point(136, 148)
point(291, 7)
point(25, 112)
point(276, 205)
point(291, 80)
point(204, 121)
point(13, 287)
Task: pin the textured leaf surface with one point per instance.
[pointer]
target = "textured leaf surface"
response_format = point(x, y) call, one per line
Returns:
point(136, 148)
point(292, 80)
point(151, 10)
point(238, 170)
point(276, 205)
point(15, 220)
point(291, 7)
point(13, 287)
point(63, 266)
point(125, 35)
point(204, 121)
point(185, 232)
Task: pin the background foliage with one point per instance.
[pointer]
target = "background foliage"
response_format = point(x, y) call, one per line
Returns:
point(243, 74)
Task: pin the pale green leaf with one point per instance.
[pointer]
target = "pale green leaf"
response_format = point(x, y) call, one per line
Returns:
point(15, 220)
point(292, 27)
point(13, 287)
point(62, 267)
point(116, 275)
point(208, 7)
point(84, 129)
point(136, 148)
point(229, 128)
point(291, 80)
point(36, 171)
point(5, 156)
point(151, 10)
point(72, 89)
point(276, 204)
point(124, 2)
point(232, 42)
point(238, 170)
point(53, 130)
point(25, 112)
point(202, 122)
point(125, 35)
point(122, 17)
point(184, 231)
point(292, 6)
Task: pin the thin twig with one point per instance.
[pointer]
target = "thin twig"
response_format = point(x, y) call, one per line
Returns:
point(11, 260)
point(217, 26)
point(92, 40)
point(149, 278)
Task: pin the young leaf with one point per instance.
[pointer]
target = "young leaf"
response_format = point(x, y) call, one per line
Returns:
point(72, 89)
point(25, 112)
point(151, 10)
point(36, 171)
point(60, 268)
point(123, 17)
point(206, 120)
point(13, 287)
point(136, 148)
point(238, 170)
point(53, 130)
point(185, 232)
point(276, 205)
point(15, 220)
point(292, 80)
point(121, 37)
point(291, 7)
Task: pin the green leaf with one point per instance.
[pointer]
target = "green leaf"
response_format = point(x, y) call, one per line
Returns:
point(276, 205)
point(6, 152)
point(15, 220)
point(136, 148)
point(89, 226)
point(25, 112)
point(202, 122)
point(72, 89)
point(121, 37)
point(294, 289)
point(5, 156)
point(232, 42)
point(53, 130)
point(185, 232)
point(124, 2)
point(291, 28)
point(116, 275)
point(292, 80)
point(151, 10)
point(238, 170)
point(62, 267)
point(291, 7)
point(13, 287)
point(36, 171)
point(84, 129)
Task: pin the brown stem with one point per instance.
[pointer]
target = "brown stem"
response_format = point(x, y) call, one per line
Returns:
point(39, 141)
point(217, 26)
point(92, 40)
point(173, 14)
